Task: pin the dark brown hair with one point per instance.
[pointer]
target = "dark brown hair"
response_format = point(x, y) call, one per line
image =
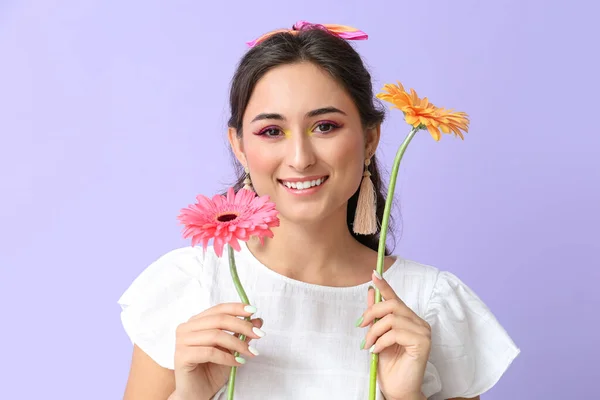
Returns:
point(338, 58)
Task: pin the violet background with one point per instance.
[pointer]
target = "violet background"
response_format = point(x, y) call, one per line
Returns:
point(113, 117)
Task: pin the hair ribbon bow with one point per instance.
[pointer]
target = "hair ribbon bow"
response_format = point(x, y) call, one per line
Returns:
point(343, 31)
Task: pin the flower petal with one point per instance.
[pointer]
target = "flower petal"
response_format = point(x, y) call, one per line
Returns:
point(235, 244)
point(457, 132)
point(411, 119)
point(230, 195)
point(242, 234)
point(218, 246)
point(435, 132)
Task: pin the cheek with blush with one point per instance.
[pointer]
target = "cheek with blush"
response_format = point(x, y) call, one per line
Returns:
point(263, 167)
point(346, 157)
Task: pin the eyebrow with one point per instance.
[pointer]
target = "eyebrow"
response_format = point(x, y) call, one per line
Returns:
point(310, 114)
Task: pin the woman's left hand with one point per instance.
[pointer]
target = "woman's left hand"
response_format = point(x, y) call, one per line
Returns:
point(402, 340)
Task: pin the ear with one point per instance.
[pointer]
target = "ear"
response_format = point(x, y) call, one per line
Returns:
point(372, 139)
point(237, 146)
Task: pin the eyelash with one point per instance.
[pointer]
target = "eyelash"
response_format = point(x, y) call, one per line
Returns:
point(333, 125)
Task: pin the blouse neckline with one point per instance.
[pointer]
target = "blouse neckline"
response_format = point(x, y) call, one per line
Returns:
point(249, 257)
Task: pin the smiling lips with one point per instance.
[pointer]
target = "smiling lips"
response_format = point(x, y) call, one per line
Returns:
point(303, 183)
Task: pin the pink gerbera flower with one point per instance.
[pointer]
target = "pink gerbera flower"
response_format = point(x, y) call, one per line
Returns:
point(238, 216)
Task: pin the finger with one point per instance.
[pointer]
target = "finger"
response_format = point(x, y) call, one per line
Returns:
point(380, 310)
point(388, 323)
point(256, 323)
point(386, 290)
point(216, 338)
point(370, 302)
point(413, 343)
point(370, 296)
point(203, 354)
point(233, 309)
point(224, 322)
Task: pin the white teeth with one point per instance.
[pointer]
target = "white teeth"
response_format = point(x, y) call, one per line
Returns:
point(304, 185)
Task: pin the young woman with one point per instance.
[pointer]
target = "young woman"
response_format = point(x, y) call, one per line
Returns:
point(303, 111)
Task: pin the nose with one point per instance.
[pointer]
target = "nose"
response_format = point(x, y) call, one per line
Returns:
point(300, 152)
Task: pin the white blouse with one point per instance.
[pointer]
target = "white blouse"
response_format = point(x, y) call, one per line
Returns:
point(312, 347)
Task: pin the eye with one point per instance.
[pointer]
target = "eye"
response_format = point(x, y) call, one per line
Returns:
point(269, 131)
point(326, 127)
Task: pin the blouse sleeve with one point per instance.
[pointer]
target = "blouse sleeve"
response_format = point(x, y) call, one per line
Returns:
point(164, 295)
point(470, 350)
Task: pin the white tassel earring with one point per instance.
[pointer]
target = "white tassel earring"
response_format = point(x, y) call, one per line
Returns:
point(365, 217)
point(247, 181)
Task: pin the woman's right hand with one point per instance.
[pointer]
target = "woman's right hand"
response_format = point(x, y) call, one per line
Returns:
point(204, 348)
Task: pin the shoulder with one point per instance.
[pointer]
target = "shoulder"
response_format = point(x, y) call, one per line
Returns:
point(427, 287)
point(188, 259)
point(177, 264)
point(413, 281)
point(470, 349)
point(165, 294)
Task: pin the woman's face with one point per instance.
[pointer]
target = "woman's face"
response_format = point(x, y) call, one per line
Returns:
point(303, 142)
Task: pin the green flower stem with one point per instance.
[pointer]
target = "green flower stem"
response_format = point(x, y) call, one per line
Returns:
point(244, 298)
point(381, 250)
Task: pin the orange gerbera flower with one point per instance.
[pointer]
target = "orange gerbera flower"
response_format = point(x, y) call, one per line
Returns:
point(420, 112)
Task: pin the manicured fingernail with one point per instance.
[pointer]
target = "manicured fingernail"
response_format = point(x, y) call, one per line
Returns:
point(372, 349)
point(371, 288)
point(258, 332)
point(250, 309)
point(377, 275)
point(359, 321)
point(362, 344)
point(241, 360)
point(253, 350)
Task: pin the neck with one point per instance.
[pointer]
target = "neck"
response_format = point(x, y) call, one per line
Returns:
point(319, 253)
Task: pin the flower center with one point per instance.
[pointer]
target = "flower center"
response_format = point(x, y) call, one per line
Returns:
point(227, 217)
